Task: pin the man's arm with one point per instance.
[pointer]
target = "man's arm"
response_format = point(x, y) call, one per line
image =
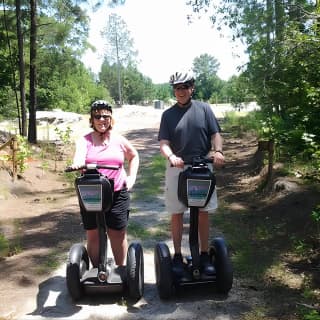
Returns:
point(216, 145)
point(165, 148)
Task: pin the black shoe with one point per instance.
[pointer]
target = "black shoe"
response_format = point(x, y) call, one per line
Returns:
point(206, 265)
point(177, 265)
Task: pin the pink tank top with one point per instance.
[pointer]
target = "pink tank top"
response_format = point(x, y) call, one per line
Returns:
point(113, 154)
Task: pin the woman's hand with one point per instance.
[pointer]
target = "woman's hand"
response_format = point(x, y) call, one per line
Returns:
point(130, 182)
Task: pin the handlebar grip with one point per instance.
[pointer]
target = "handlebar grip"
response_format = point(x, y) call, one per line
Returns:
point(92, 166)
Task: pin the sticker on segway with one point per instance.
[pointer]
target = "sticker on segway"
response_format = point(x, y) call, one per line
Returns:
point(197, 191)
point(91, 196)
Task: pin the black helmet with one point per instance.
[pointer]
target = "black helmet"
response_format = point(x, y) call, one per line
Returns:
point(101, 105)
point(181, 77)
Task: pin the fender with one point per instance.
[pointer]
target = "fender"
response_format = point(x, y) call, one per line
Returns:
point(77, 251)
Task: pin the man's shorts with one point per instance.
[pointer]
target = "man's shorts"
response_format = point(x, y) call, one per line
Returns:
point(173, 204)
point(116, 218)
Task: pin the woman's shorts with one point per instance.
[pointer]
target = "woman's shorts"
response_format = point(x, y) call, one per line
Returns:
point(116, 218)
point(173, 204)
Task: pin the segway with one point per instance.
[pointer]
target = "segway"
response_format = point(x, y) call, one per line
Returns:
point(95, 194)
point(195, 187)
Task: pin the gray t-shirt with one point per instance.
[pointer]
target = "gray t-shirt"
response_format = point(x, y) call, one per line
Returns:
point(189, 129)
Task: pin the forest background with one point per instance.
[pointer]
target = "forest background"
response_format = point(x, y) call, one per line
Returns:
point(42, 42)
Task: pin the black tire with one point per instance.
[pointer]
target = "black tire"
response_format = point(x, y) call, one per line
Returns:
point(163, 270)
point(135, 271)
point(222, 263)
point(76, 266)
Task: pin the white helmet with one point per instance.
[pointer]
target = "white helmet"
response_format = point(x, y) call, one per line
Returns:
point(181, 77)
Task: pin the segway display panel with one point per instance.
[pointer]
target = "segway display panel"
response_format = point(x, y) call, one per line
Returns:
point(91, 197)
point(198, 192)
point(196, 185)
point(95, 192)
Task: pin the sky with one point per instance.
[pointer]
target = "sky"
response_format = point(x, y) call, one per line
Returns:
point(165, 42)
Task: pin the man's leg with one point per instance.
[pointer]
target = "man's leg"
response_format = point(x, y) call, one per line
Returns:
point(176, 231)
point(204, 231)
point(204, 227)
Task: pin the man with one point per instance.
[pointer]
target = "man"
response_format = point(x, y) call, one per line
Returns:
point(188, 129)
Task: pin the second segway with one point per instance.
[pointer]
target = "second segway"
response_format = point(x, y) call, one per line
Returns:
point(196, 185)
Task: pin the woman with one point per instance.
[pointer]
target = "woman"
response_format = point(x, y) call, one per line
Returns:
point(104, 146)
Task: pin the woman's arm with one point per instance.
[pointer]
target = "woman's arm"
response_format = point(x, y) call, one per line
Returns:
point(79, 158)
point(132, 156)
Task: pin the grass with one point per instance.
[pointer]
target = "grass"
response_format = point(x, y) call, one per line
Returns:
point(149, 185)
point(267, 253)
point(51, 261)
point(4, 246)
point(156, 232)
point(150, 182)
point(10, 247)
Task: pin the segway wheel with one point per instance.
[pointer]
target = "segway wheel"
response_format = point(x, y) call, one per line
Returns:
point(78, 263)
point(163, 270)
point(135, 271)
point(222, 263)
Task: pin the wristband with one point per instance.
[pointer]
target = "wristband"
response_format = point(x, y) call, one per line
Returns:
point(220, 151)
point(170, 156)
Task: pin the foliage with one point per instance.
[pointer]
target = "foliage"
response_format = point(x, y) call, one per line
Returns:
point(315, 215)
point(64, 135)
point(283, 72)
point(237, 89)
point(4, 246)
point(136, 88)
point(65, 84)
point(119, 44)
point(24, 152)
point(208, 84)
point(310, 315)
point(237, 125)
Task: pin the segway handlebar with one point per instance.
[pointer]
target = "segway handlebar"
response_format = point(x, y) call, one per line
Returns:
point(198, 160)
point(92, 166)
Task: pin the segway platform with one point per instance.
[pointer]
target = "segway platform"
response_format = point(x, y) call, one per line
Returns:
point(114, 282)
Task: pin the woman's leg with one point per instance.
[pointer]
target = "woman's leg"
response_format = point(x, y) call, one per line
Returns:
point(93, 246)
point(119, 245)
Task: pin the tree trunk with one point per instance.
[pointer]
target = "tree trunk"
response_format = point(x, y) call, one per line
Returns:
point(118, 70)
point(270, 165)
point(32, 133)
point(21, 70)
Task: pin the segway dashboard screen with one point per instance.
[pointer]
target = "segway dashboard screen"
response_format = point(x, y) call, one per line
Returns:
point(91, 197)
point(198, 192)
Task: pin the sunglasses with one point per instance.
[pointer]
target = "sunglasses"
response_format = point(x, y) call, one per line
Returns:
point(104, 116)
point(184, 87)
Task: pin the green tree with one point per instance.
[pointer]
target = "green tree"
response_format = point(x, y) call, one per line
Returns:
point(119, 47)
point(282, 40)
point(237, 89)
point(208, 84)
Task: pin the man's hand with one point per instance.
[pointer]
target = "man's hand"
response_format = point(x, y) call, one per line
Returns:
point(218, 159)
point(176, 161)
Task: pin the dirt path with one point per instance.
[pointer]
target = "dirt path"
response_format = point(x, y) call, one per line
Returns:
point(28, 292)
